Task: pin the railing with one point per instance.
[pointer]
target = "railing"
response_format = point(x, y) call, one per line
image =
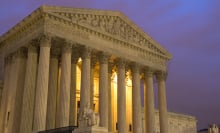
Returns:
point(68, 129)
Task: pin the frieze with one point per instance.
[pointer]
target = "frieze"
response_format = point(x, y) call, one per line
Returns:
point(111, 24)
point(76, 29)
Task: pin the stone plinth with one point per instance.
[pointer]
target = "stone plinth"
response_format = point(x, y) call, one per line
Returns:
point(93, 129)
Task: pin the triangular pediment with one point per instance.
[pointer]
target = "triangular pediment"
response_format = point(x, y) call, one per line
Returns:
point(113, 23)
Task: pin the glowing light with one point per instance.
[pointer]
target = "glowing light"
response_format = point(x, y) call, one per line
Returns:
point(115, 77)
point(79, 60)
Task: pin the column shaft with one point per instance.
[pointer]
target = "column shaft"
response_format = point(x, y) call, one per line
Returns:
point(103, 91)
point(136, 99)
point(5, 92)
point(93, 62)
point(64, 103)
point(18, 87)
point(110, 124)
point(73, 107)
point(121, 97)
point(52, 90)
point(29, 91)
point(85, 79)
point(10, 94)
point(149, 102)
point(163, 116)
point(42, 85)
point(58, 97)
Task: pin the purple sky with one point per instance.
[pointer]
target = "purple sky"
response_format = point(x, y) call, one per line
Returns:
point(188, 29)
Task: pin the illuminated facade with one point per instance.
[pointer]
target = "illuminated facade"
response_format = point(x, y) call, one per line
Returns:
point(59, 60)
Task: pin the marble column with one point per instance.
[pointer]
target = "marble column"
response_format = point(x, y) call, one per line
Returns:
point(85, 78)
point(93, 63)
point(136, 99)
point(11, 93)
point(121, 96)
point(110, 122)
point(149, 102)
point(163, 115)
point(3, 111)
point(103, 90)
point(64, 103)
point(52, 89)
point(18, 88)
point(58, 95)
point(73, 105)
point(42, 85)
point(29, 89)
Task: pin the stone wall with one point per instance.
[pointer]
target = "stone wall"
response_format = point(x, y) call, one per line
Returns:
point(178, 123)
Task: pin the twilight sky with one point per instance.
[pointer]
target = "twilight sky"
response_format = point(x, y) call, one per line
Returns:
point(188, 29)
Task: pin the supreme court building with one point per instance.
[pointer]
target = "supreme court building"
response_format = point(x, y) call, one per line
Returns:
point(58, 60)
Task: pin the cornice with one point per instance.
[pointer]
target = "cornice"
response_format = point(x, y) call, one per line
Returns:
point(22, 28)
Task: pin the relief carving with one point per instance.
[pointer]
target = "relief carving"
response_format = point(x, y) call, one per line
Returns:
point(95, 22)
point(103, 25)
point(113, 25)
point(109, 27)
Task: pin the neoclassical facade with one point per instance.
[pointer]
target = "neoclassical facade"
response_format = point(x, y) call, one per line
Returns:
point(59, 60)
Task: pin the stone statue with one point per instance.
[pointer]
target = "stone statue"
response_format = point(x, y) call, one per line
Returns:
point(88, 117)
point(116, 27)
point(213, 129)
point(109, 25)
point(102, 24)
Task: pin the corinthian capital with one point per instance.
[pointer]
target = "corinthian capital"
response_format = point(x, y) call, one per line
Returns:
point(161, 75)
point(8, 59)
point(121, 63)
point(32, 47)
point(55, 52)
point(103, 58)
point(135, 67)
point(67, 47)
point(149, 72)
point(86, 52)
point(21, 52)
point(45, 40)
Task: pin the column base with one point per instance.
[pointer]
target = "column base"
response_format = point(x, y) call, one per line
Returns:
point(93, 129)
